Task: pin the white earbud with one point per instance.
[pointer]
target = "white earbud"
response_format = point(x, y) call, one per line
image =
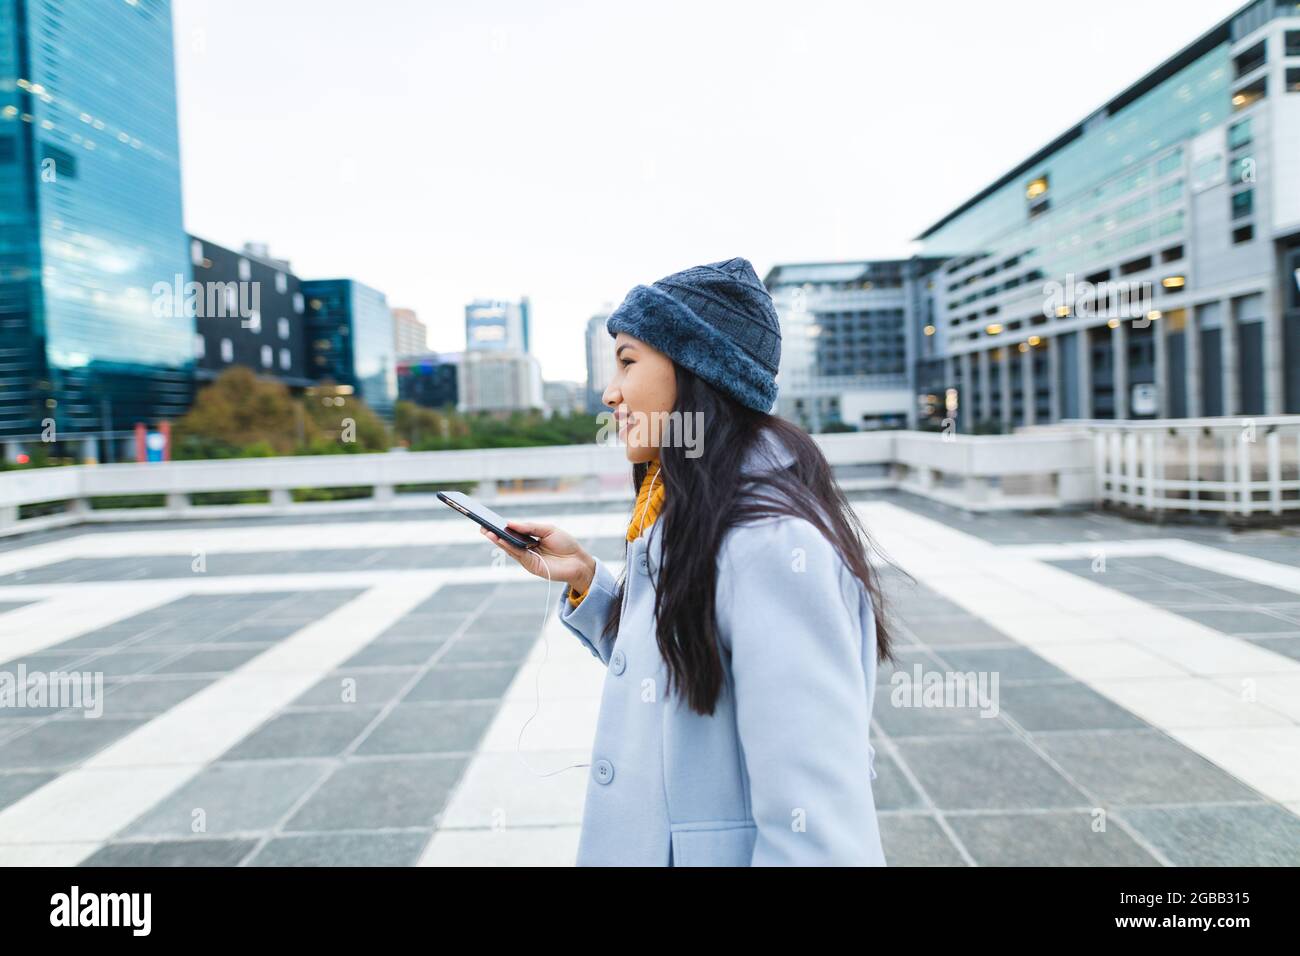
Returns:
point(648, 494)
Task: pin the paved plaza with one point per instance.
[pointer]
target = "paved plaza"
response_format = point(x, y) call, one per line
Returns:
point(350, 690)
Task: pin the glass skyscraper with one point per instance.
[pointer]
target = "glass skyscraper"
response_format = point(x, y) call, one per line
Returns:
point(90, 219)
point(350, 340)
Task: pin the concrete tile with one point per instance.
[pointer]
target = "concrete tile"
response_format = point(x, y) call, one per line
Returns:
point(917, 840)
point(1261, 835)
point(343, 849)
point(987, 773)
point(304, 734)
point(1141, 767)
point(229, 798)
point(174, 853)
point(380, 794)
point(541, 846)
point(411, 728)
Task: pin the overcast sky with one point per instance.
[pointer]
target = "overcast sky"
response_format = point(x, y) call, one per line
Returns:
point(567, 151)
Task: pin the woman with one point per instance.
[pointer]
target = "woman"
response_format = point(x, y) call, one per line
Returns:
point(742, 643)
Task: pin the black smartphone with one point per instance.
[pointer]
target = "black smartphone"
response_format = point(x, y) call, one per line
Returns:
point(487, 518)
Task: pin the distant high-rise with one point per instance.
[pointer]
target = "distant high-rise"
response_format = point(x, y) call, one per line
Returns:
point(500, 381)
point(350, 339)
point(600, 362)
point(849, 344)
point(496, 325)
point(91, 229)
point(564, 398)
point(411, 335)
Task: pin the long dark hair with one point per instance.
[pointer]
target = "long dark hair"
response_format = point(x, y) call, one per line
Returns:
point(703, 499)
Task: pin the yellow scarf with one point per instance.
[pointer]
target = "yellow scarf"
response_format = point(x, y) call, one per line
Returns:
point(649, 502)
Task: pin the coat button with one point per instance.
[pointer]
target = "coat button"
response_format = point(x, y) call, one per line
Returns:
point(604, 771)
point(644, 564)
point(617, 662)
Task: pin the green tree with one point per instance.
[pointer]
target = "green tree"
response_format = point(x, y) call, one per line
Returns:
point(419, 427)
point(239, 415)
point(344, 423)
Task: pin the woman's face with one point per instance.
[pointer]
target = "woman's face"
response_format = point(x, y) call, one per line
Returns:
point(642, 393)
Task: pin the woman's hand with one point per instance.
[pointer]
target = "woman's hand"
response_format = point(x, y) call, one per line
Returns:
point(568, 561)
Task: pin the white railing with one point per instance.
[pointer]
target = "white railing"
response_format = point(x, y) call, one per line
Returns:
point(979, 473)
point(1238, 467)
point(1247, 467)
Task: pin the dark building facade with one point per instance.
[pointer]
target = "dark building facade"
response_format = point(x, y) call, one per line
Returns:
point(428, 381)
point(350, 340)
point(251, 312)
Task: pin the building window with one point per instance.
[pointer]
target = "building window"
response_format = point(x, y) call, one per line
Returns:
point(1293, 42)
point(281, 283)
point(227, 351)
point(1137, 265)
point(1249, 60)
point(1243, 234)
point(266, 356)
point(1243, 203)
point(282, 326)
point(1170, 163)
point(297, 302)
point(1207, 171)
point(1172, 254)
point(196, 252)
point(1293, 80)
point(245, 270)
point(1250, 95)
point(286, 359)
point(1243, 170)
point(1040, 207)
point(1036, 187)
point(1239, 134)
point(200, 346)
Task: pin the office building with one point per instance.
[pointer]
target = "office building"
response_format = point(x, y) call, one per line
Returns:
point(500, 382)
point(350, 340)
point(249, 311)
point(493, 324)
point(91, 229)
point(849, 346)
point(600, 362)
point(410, 334)
point(1143, 264)
point(564, 398)
point(430, 380)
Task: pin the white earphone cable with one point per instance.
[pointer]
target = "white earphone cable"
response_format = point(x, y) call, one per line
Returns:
point(546, 651)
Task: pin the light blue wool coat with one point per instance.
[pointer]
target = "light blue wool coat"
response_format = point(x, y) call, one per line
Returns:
point(780, 773)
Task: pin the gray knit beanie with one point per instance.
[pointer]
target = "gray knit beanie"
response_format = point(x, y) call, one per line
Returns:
point(717, 320)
